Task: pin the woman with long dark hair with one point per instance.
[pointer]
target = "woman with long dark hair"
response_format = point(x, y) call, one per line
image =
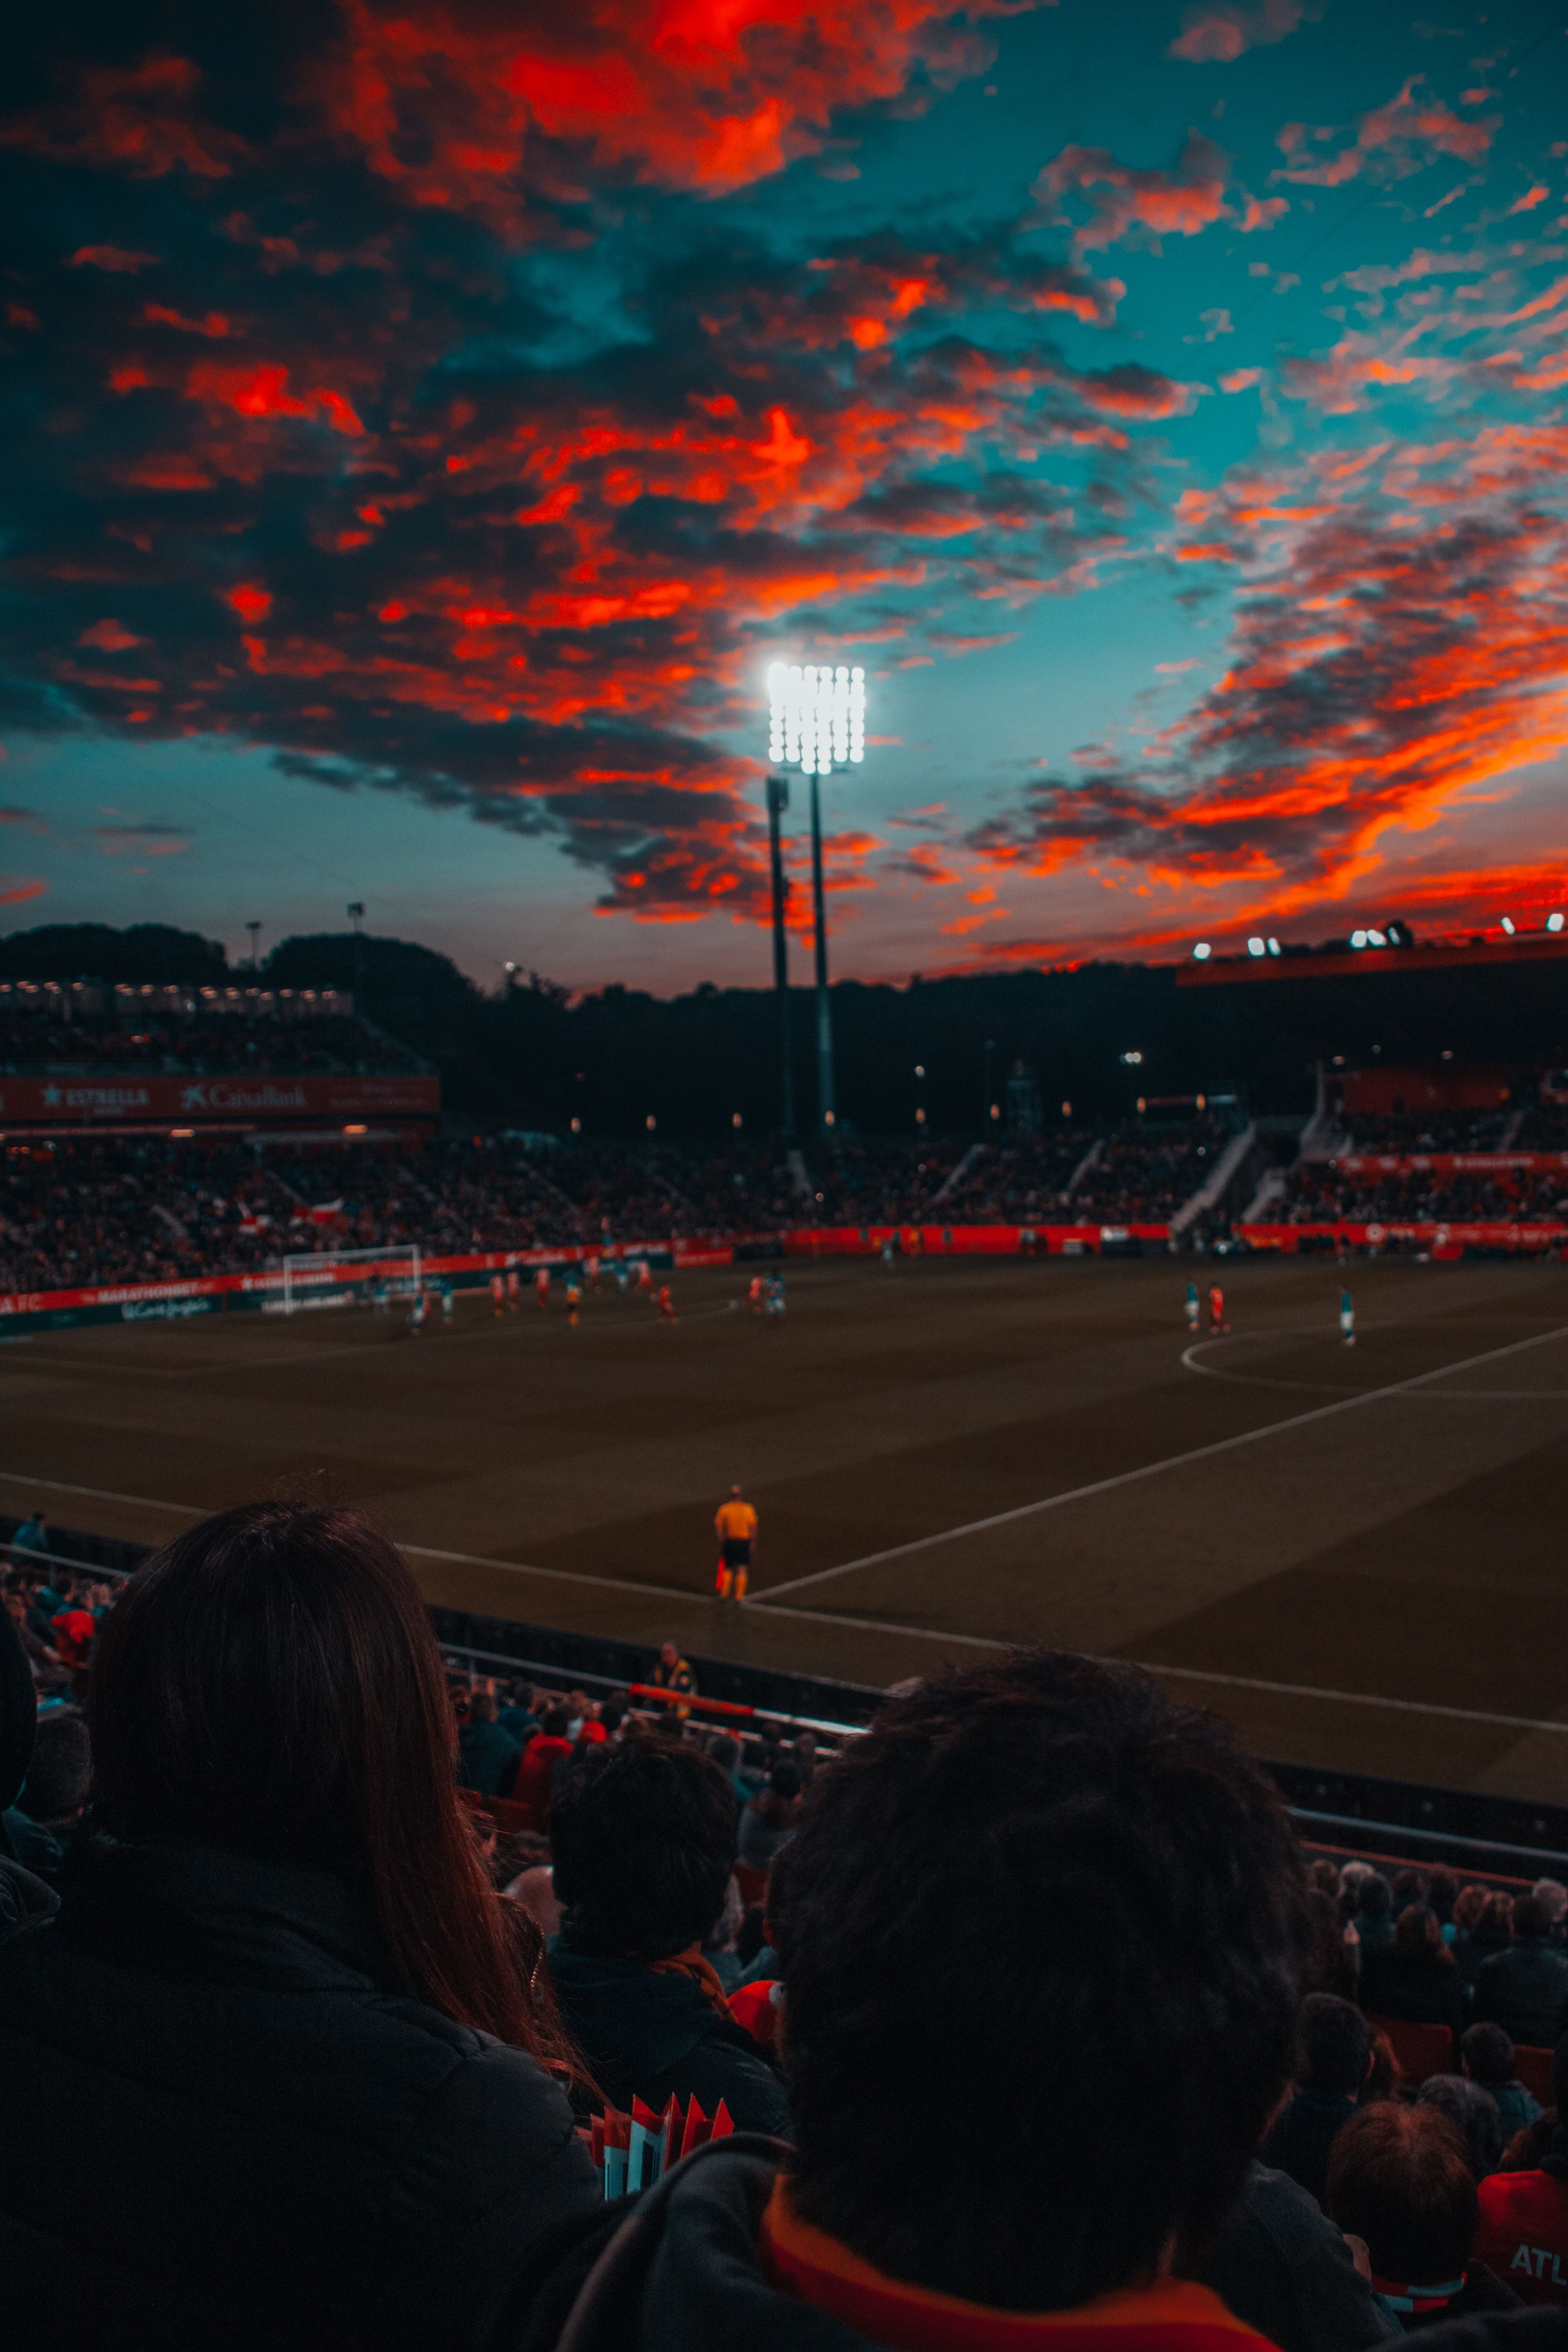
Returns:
point(285, 2069)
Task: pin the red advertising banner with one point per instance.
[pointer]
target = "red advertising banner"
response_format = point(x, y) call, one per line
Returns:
point(939, 1241)
point(119, 1101)
point(1453, 1163)
point(1441, 1239)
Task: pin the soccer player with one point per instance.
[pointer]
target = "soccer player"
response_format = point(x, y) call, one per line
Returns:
point(1194, 1312)
point(514, 1290)
point(673, 1674)
point(889, 1247)
point(449, 1305)
point(383, 1296)
point(645, 1275)
point(735, 1523)
point(667, 1313)
point(1347, 1318)
point(623, 1277)
point(498, 1295)
point(541, 1287)
point(1216, 1309)
point(573, 1300)
point(776, 1309)
point(754, 1293)
point(417, 1312)
point(591, 1269)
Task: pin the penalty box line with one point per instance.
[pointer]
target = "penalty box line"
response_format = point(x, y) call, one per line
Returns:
point(775, 1592)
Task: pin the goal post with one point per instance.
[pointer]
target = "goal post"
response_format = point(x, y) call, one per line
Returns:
point(338, 1278)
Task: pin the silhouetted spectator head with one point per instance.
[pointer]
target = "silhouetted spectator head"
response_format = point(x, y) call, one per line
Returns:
point(1354, 1876)
point(1530, 1918)
point(482, 1708)
point(1334, 2044)
point(1324, 1876)
point(1553, 1897)
point(1115, 1886)
point(1497, 1917)
point(1398, 2178)
point(554, 1722)
point(1409, 1887)
point(725, 1750)
point(1474, 2114)
point(1376, 1897)
point(1442, 1888)
point(1485, 2054)
point(1416, 1931)
point(670, 1653)
point(269, 1683)
point(1331, 1966)
point(784, 1782)
point(1470, 1908)
point(59, 1777)
point(614, 1713)
point(644, 1837)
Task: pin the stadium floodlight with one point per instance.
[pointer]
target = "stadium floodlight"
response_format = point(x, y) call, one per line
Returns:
point(1358, 938)
point(1273, 946)
point(1377, 939)
point(816, 721)
point(817, 717)
point(1256, 947)
point(1508, 925)
point(1554, 922)
point(1202, 951)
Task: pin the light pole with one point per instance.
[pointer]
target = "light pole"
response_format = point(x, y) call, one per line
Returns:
point(355, 911)
point(778, 800)
point(818, 721)
point(255, 930)
point(985, 1105)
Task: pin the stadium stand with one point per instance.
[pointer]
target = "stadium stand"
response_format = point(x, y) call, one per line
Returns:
point(97, 1210)
point(60, 1029)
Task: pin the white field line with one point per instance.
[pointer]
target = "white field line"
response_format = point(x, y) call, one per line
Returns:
point(1168, 1462)
point(675, 1595)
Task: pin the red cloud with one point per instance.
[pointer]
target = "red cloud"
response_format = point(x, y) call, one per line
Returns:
point(1125, 202)
point(1219, 34)
point(115, 258)
point(143, 119)
point(1394, 140)
point(452, 103)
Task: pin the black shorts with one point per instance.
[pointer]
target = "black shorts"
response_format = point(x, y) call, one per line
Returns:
point(737, 1551)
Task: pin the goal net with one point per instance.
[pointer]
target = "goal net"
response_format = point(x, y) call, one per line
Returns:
point(342, 1277)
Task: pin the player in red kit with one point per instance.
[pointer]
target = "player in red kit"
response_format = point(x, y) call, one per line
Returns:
point(1216, 1309)
point(667, 1313)
point(498, 1295)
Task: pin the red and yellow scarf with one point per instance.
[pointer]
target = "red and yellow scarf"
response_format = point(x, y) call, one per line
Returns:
point(1169, 2315)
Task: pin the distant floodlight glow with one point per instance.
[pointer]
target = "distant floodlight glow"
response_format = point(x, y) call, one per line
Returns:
point(817, 717)
point(1376, 939)
point(1203, 951)
point(1358, 938)
point(1508, 925)
point(1273, 946)
point(1554, 922)
point(1256, 947)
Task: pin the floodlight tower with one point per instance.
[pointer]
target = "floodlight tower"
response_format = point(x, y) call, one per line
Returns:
point(817, 723)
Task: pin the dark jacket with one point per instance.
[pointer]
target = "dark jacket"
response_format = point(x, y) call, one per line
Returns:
point(221, 2129)
point(1301, 2138)
point(650, 2034)
point(1472, 1952)
point(23, 1894)
point(487, 1758)
point(1525, 1988)
point(678, 2272)
point(1420, 1987)
point(1286, 2272)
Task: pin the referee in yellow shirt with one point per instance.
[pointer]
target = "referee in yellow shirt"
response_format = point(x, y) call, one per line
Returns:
point(736, 1524)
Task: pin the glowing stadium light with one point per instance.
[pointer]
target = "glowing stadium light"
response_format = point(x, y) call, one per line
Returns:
point(1358, 938)
point(1377, 939)
point(1508, 925)
point(1554, 922)
point(1273, 946)
point(1256, 947)
point(1132, 1060)
point(817, 717)
point(1202, 951)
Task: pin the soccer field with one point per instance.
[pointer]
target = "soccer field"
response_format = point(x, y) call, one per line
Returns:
point(1354, 1555)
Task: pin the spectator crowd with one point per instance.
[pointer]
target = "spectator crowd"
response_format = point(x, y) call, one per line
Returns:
point(343, 1990)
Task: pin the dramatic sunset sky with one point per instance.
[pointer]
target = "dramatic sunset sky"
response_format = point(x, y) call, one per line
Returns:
point(423, 423)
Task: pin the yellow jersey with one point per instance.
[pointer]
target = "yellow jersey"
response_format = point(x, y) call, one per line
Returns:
point(736, 1522)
